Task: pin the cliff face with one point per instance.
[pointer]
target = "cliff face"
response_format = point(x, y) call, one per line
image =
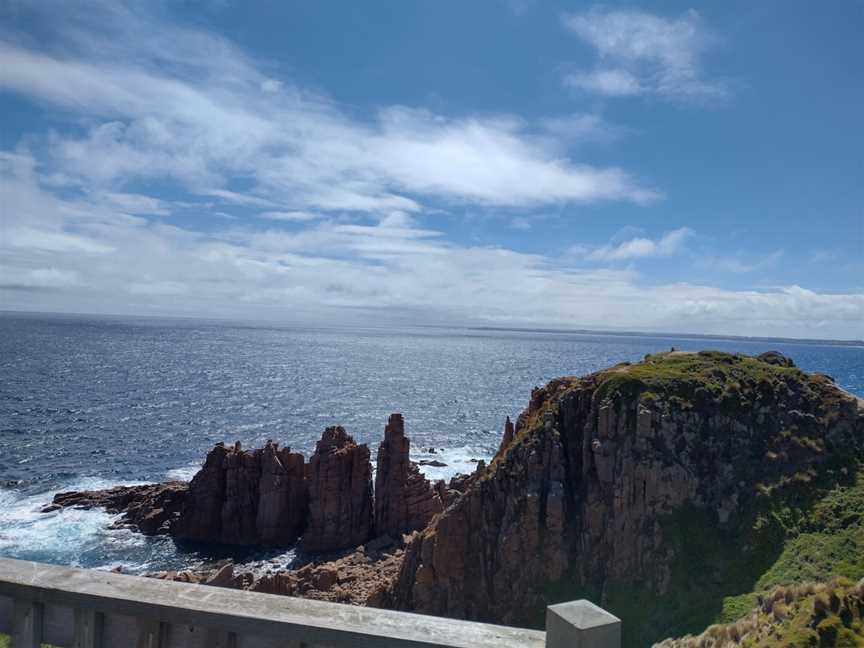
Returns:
point(615, 483)
point(340, 494)
point(241, 497)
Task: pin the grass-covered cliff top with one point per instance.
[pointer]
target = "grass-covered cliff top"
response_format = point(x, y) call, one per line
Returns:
point(698, 379)
point(714, 372)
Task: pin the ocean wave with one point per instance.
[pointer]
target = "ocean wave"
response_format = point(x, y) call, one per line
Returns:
point(462, 459)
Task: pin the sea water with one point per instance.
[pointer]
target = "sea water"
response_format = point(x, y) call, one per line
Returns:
point(92, 402)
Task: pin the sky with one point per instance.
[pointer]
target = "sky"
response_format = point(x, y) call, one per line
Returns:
point(642, 166)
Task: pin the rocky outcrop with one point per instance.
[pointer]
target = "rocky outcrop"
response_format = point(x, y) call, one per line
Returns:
point(507, 438)
point(404, 499)
point(239, 497)
point(150, 508)
point(358, 577)
point(340, 494)
point(613, 477)
point(270, 496)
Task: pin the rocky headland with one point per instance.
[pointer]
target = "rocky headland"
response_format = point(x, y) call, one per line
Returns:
point(675, 492)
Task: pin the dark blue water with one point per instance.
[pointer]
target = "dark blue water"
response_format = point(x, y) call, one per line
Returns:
point(92, 402)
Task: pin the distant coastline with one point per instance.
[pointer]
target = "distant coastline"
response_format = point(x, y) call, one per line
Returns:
point(396, 324)
point(665, 334)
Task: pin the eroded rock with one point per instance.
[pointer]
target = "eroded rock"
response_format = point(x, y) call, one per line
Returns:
point(340, 494)
point(404, 499)
point(239, 497)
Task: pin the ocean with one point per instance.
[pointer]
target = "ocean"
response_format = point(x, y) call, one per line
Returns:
point(89, 402)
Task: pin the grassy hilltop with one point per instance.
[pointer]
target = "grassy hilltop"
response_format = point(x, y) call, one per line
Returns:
point(802, 535)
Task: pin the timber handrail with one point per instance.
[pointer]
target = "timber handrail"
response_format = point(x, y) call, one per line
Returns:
point(82, 608)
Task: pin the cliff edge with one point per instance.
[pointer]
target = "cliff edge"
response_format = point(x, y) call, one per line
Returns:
point(663, 490)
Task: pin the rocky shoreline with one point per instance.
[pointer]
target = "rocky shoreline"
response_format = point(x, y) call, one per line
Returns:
point(351, 537)
point(664, 481)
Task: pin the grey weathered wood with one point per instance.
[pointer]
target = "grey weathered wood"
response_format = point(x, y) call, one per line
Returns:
point(581, 624)
point(255, 619)
point(27, 624)
point(89, 627)
point(153, 633)
point(7, 607)
point(58, 625)
point(119, 630)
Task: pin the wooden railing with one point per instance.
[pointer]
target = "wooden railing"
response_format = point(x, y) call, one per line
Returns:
point(80, 608)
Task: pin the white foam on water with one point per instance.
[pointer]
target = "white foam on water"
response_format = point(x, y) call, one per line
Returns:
point(62, 536)
point(184, 473)
point(458, 460)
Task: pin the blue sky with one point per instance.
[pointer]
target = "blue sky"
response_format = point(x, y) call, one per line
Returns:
point(644, 166)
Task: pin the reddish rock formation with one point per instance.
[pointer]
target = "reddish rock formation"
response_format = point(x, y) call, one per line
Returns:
point(450, 492)
point(150, 508)
point(283, 496)
point(268, 496)
point(579, 502)
point(340, 494)
point(246, 498)
point(404, 499)
point(507, 439)
point(359, 577)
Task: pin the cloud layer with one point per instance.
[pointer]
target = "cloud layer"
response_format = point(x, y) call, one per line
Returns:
point(642, 53)
point(190, 107)
point(186, 180)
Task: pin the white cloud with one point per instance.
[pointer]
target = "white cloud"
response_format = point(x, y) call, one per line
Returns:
point(289, 216)
point(18, 279)
point(158, 103)
point(634, 248)
point(611, 82)
point(394, 268)
point(740, 264)
point(207, 118)
point(642, 53)
point(36, 239)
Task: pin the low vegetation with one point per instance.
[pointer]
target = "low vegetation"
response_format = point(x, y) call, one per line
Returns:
point(796, 616)
point(699, 376)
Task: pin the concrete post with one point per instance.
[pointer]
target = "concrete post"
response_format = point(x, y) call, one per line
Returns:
point(88, 629)
point(27, 624)
point(581, 624)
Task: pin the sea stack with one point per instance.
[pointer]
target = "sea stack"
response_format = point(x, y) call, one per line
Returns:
point(245, 498)
point(404, 499)
point(340, 494)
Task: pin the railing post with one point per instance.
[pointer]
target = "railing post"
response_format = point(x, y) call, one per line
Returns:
point(88, 629)
point(27, 624)
point(581, 624)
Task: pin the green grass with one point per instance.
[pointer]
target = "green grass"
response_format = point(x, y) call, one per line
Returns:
point(700, 376)
point(800, 616)
point(719, 577)
point(6, 642)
